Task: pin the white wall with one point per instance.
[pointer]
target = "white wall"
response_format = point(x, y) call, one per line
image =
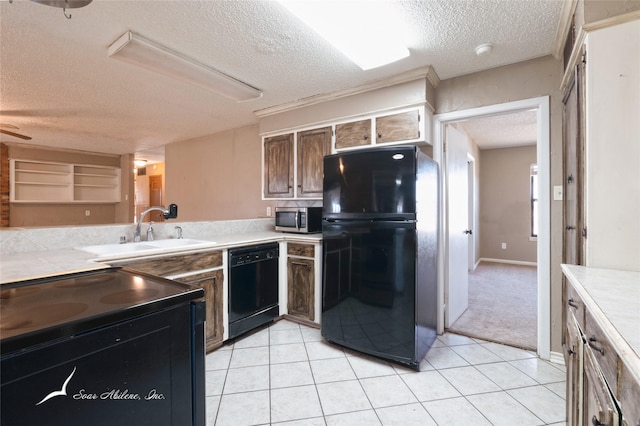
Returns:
point(612, 181)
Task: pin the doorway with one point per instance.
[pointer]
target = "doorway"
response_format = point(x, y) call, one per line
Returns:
point(541, 107)
point(155, 197)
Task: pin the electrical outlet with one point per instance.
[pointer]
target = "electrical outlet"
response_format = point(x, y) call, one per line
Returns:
point(504, 246)
point(268, 210)
point(87, 212)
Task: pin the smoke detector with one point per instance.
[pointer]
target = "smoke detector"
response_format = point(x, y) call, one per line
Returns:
point(484, 49)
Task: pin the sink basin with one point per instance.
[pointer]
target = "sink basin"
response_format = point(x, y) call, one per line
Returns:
point(109, 249)
point(172, 243)
point(119, 251)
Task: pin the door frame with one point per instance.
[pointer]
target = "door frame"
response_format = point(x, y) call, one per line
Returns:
point(541, 106)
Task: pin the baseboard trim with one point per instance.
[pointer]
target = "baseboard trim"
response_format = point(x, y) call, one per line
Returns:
point(556, 358)
point(512, 262)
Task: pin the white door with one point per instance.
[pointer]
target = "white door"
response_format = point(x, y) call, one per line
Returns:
point(457, 290)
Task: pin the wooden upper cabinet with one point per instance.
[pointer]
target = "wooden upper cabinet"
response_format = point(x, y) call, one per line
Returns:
point(355, 133)
point(278, 166)
point(313, 145)
point(398, 127)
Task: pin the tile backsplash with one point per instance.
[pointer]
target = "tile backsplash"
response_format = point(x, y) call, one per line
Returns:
point(17, 240)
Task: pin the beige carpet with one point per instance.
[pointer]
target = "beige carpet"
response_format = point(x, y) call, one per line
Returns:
point(502, 305)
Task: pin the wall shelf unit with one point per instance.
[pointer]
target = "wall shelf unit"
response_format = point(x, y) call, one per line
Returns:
point(44, 182)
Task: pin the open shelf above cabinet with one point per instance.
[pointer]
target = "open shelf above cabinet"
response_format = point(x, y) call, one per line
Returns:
point(45, 182)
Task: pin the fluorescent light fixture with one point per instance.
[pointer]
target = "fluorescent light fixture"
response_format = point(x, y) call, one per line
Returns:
point(370, 33)
point(138, 50)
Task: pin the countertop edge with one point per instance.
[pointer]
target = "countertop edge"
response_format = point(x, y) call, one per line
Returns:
point(53, 262)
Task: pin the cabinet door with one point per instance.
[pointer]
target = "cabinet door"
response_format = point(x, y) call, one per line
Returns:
point(573, 353)
point(356, 133)
point(398, 127)
point(313, 145)
point(573, 184)
point(300, 279)
point(599, 407)
point(278, 166)
point(212, 283)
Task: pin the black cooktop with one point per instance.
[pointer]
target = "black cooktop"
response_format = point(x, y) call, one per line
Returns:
point(40, 310)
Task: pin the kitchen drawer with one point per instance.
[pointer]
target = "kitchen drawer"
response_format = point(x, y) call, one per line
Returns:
point(575, 305)
point(629, 397)
point(602, 350)
point(304, 250)
point(178, 264)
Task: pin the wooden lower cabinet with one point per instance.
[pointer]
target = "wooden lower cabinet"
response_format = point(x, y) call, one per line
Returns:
point(212, 283)
point(301, 280)
point(574, 356)
point(188, 266)
point(601, 389)
point(599, 408)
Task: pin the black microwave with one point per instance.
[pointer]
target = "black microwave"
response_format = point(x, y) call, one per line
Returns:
point(306, 220)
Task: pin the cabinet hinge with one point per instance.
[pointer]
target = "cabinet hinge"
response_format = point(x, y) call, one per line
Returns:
point(418, 134)
point(583, 58)
point(584, 232)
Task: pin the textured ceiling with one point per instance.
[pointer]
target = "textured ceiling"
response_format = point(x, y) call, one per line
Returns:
point(59, 86)
point(505, 130)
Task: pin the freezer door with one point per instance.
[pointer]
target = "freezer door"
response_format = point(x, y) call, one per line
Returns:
point(377, 183)
point(368, 294)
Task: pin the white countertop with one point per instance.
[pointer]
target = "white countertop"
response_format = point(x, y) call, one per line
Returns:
point(613, 297)
point(31, 265)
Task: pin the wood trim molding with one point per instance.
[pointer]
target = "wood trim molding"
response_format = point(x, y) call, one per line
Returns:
point(581, 37)
point(424, 72)
point(568, 9)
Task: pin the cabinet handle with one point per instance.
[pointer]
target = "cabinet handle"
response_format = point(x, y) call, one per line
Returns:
point(570, 352)
point(379, 135)
point(570, 228)
point(596, 422)
point(571, 303)
point(592, 340)
point(301, 264)
point(366, 137)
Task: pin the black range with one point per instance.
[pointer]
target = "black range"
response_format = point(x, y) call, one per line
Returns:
point(102, 347)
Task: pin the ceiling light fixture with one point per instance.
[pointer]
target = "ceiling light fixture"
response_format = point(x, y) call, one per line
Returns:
point(484, 49)
point(368, 33)
point(139, 162)
point(138, 50)
point(64, 4)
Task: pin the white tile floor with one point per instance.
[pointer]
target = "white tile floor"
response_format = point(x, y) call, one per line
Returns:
point(287, 374)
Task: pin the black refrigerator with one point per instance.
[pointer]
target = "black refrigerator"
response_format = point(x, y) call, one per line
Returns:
point(380, 241)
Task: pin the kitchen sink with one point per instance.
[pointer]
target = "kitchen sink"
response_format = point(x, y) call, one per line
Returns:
point(119, 251)
point(182, 242)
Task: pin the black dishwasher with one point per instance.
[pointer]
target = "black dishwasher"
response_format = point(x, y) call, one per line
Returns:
point(253, 287)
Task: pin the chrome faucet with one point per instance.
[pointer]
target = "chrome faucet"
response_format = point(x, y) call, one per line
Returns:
point(170, 213)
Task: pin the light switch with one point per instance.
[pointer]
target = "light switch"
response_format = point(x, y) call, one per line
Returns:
point(557, 192)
